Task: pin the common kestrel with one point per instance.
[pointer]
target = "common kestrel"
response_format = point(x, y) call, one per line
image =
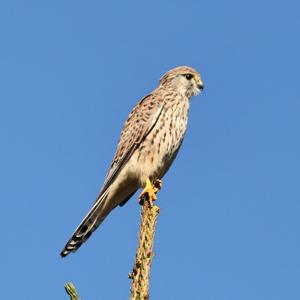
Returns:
point(149, 143)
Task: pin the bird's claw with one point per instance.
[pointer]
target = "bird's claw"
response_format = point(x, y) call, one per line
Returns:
point(157, 184)
point(150, 190)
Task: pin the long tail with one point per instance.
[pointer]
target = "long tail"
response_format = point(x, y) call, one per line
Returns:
point(90, 223)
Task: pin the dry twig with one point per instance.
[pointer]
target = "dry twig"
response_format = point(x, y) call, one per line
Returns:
point(142, 265)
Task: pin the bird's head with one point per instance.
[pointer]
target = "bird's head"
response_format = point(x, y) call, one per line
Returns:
point(185, 80)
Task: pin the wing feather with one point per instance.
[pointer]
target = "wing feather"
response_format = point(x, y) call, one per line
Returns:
point(139, 124)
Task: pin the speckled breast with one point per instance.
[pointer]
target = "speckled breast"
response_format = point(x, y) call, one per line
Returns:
point(159, 149)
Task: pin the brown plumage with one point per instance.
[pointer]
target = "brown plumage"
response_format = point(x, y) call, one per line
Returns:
point(149, 142)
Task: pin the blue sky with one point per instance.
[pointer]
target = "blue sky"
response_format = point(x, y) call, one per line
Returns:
point(70, 72)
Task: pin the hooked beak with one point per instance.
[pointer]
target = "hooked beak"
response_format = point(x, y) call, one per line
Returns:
point(200, 85)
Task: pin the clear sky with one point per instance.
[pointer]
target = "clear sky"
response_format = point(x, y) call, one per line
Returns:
point(70, 72)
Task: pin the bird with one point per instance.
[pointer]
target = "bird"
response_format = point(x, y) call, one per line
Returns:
point(149, 142)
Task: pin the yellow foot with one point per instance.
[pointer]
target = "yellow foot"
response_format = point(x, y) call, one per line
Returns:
point(149, 192)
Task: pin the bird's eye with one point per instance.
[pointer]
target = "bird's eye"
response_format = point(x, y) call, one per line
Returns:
point(188, 76)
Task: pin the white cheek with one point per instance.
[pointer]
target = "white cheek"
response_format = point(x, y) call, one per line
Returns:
point(196, 91)
point(182, 90)
point(183, 85)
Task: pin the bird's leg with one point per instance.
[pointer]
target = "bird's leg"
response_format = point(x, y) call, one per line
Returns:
point(150, 190)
